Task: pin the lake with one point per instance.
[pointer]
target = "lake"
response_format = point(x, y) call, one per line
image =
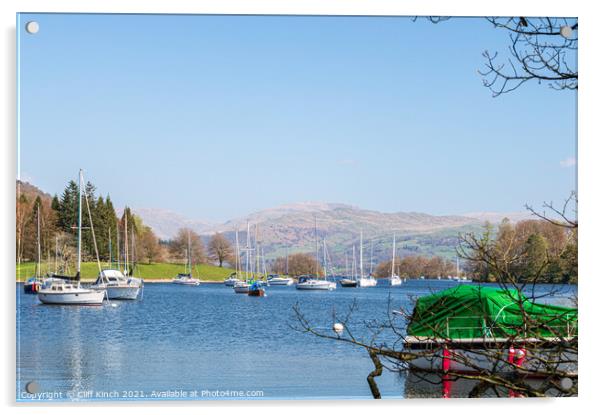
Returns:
point(205, 342)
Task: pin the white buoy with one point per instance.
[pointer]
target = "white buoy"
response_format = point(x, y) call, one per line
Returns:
point(338, 328)
point(566, 32)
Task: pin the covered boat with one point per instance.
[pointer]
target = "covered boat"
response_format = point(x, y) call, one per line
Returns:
point(470, 328)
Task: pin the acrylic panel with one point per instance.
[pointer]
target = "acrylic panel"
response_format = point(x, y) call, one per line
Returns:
point(216, 207)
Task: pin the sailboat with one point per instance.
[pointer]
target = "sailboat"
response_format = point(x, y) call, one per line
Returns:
point(350, 282)
point(364, 281)
point(233, 278)
point(33, 284)
point(275, 279)
point(118, 285)
point(242, 287)
point(315, 283)
point(186, 277)
point(67, 290)
point(394, 279)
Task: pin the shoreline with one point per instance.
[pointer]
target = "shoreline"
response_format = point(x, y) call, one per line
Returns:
point(149, 281)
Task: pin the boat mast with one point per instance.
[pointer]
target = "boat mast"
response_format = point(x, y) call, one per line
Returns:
point(346, 263)
point(79, 229)
point(371, 254)
point(256, 253)
point(353, 266)
point(118, 250)
point(125, 245)
point(189, 259)
point(133, 250)
point(39, 264)
point(361, 255)
point(393, 259)
point(56, 254)
point(324, 260)
point(248, 251)
point(287, 260)
point(237, 254)
point(110, 252)
point(317, 246)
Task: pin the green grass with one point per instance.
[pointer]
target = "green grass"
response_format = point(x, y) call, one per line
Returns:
point(148, 272)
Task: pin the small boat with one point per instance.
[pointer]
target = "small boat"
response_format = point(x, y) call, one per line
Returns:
point(394, 279)
point(311, 283)
point(255, 290)
point(67, 290)
point(348, 282)
point(186, 277)
point(242, 287)
point(364, 281)
point(118, 286)
point(278, 280)
point(33, 284)
point(470, 328)
point(231, 280)
point(58, 290)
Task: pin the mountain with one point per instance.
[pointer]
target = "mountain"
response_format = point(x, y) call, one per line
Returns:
point(31, 192)
point(165, 223)
point(496, 217)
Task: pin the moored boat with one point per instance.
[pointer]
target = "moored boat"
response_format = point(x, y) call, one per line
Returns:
point(117, 285)
point(470, 328)
point(278, 280)
point(67, 290)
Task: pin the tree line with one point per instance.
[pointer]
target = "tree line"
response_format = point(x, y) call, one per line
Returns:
point(533, 251)
point(105, 233)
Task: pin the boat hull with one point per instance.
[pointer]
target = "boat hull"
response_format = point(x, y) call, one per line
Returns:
point(195, 282)
point(257, 293)
point(283, 281)
point(83, 297)
point(123, 293)
point(367, 282)
point(315, 286)
point(478, 357)
point(348, 283)
point(31, 288)
point(241, 289)
point(230, 282)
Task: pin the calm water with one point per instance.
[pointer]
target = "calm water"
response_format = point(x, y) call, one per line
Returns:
point(207, 339)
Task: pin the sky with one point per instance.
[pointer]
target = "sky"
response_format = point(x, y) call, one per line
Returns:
point(215, 117)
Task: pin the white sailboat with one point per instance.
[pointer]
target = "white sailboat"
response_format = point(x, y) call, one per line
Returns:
point(281, 280)
point(394, 279)
point(61, 290)
point(33, 284)
point(233, 278)
point(242, 287)
point(350, 282)
point(364, 281)
point(118, 285)
point(186, 277)
point(315, 283)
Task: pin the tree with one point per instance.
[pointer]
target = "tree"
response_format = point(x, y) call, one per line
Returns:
point(298, 264)
point(178, 247)
point(149, 247)
point(541, 49)
point(220, 249)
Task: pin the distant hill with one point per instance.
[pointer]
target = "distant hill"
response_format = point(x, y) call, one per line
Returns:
point(290, 228)
point(31, 192)
point(166, 223)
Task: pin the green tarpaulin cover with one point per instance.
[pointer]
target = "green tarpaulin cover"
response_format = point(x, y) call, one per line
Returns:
point(472, 311)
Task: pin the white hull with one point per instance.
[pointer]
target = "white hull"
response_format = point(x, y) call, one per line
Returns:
point(241, 288)
point(185, 282)
point(123, 293)
point(281, 281)
point(320, 285)
point(394, 281)
point(78, 296)
point(367, 282)
point(230, 282)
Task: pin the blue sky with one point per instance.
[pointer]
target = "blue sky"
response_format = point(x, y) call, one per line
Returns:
point(218, 116)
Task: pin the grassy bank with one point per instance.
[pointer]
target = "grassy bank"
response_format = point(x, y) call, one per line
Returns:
point(147, 271)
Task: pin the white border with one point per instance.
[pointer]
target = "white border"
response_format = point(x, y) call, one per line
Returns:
point(589, 190)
